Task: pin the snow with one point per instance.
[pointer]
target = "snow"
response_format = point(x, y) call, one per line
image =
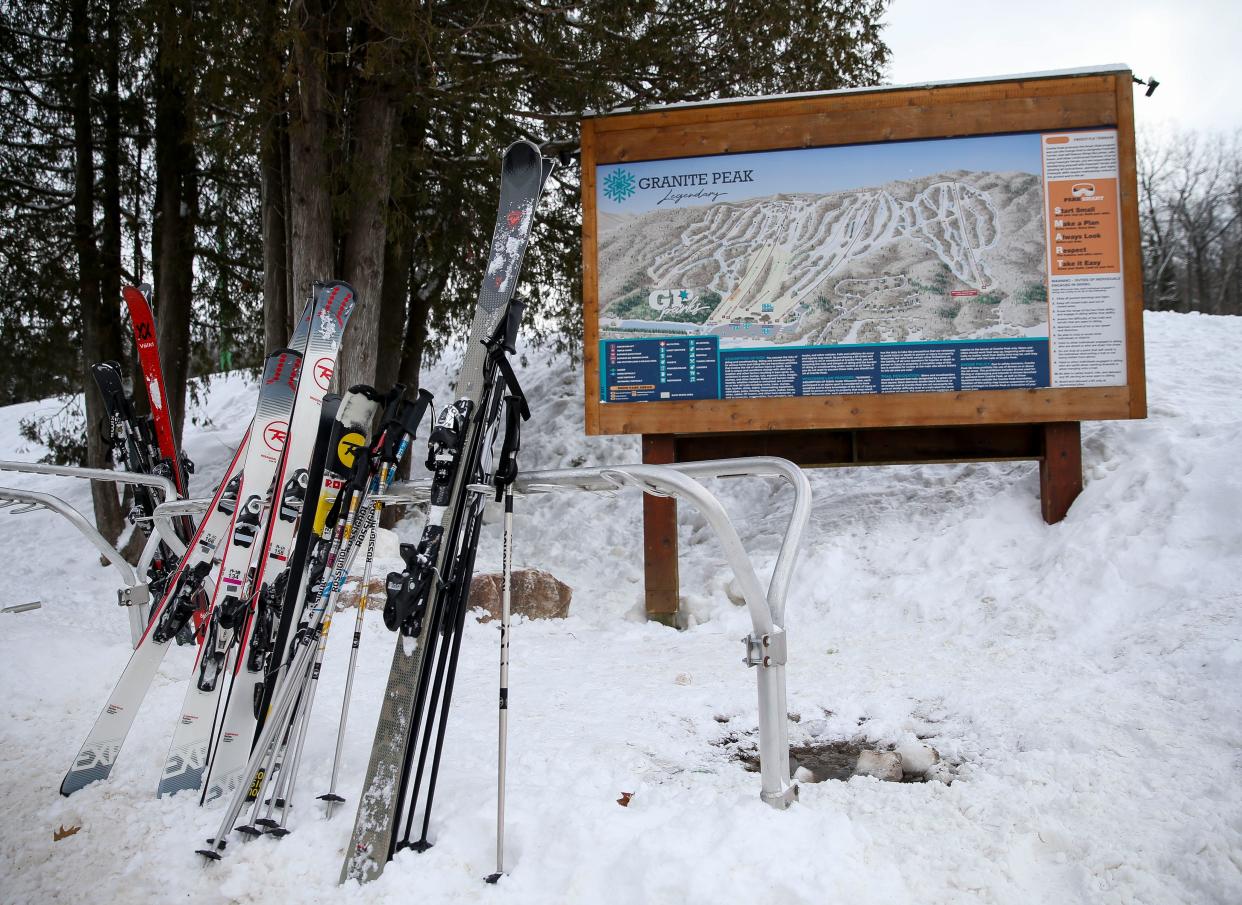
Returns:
point(1080, 682)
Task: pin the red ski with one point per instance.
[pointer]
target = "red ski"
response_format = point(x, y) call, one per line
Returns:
point(138, 300)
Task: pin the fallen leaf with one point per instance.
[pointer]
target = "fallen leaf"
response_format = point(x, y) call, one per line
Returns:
point(624, 801)
point(64, 832)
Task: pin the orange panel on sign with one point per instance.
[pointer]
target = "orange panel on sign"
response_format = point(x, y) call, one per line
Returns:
point(1082, 226)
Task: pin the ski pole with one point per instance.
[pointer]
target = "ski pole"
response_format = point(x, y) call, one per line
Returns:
point(503, 730)
point(353, 542)
point(283, 702)
point(382, 480)
point(331, 797)
point(454, 618)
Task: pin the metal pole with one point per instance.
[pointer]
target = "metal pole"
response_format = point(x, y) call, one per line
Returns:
point(331, 797)
point(503, 732)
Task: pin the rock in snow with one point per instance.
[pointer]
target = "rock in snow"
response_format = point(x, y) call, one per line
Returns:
point(884, 765)
point(535, 594)
point(916, 757)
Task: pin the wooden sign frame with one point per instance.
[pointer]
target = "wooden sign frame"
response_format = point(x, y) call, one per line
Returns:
point(1046, 102)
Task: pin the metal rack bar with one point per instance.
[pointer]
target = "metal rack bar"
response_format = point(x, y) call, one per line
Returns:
point(765, 646)
point(134, 594)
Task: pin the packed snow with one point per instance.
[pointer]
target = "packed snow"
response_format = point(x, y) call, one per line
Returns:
point(1081, 682)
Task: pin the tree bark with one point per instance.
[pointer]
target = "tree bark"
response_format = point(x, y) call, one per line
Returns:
point(310, 203)
point(292, 301)
point(276, 329)
point(423, 296)
point(90, 266)
point(110, 234)
point(392, 314)
point(176, 203)
point(366, 239)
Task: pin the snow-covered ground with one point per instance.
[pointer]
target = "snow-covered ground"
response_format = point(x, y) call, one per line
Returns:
point(1083, 680)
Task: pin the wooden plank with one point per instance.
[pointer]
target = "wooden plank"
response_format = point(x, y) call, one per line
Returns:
point(873, 446)
point(1131, 248)
point(1060, 469)
point(903, 446)
point(847, 126)
point(859, 101)
point(662, 585)
point(837, 412)
point(590, 280)
point(807, 448)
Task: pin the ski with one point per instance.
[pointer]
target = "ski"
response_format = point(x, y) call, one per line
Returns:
point(391, 448)
point(134, 448)
point(174, 462)
point(342, 432)
point(425, 604)
point(177, 606)
point(334, 302)
point(187, 755)
point(278, 747)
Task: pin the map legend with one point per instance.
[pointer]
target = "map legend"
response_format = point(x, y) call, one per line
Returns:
point(638, 370)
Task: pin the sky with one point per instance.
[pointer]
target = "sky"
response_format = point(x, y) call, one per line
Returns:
point(1192, 47)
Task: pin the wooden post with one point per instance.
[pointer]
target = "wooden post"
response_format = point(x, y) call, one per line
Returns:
point(1060, 469)
point(660, 537)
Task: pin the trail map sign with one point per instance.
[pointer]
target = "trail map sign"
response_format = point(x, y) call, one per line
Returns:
point(951, 254)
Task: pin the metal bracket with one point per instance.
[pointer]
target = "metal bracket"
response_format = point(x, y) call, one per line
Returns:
point(766, 650)
point(137, 595)
point(31, 499)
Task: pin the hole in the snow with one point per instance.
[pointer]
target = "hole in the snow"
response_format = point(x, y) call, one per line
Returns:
point(819, 761)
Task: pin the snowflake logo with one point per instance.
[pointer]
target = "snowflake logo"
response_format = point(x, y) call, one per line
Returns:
point(619, 185)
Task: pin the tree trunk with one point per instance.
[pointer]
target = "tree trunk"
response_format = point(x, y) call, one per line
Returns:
point(365, 241)
point(110, 235)
point(392, 315)
point(310, 203)
point(94, 334)
point(293, 302)
point(423, 294)
point(276, 329)
point(176, 204)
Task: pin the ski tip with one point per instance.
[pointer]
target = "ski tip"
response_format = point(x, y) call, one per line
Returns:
point(522, 154)
point(325, 285)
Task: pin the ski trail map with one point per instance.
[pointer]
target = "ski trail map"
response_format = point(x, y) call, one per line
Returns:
point(920, 266)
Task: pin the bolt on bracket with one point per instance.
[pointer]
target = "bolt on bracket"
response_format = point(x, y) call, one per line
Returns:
point(765, 650)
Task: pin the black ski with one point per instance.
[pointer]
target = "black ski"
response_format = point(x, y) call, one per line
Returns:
point(426, 601)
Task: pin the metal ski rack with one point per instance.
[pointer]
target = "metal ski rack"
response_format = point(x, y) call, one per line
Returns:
point(767, 611)
point(764, 647)
point(134, 594)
